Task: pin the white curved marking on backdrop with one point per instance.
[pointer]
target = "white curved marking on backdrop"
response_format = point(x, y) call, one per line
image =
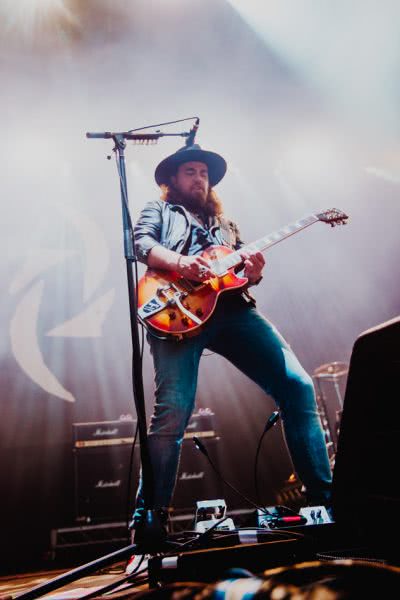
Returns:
point(38, 261)
point(97, 256)
point(25, 346)
point(89, 323)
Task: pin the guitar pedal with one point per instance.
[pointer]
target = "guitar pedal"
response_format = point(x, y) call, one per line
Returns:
point(277, 517)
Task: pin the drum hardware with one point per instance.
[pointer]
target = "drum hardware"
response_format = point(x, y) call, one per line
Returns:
point(330, 373)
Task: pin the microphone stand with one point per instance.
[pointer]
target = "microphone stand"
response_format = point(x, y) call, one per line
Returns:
point(151, 527)
point(155, 527)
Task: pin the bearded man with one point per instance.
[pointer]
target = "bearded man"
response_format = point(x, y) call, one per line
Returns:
point(170, 235)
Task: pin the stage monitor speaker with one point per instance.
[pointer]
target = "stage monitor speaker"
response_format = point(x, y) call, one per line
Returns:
point(365, 479)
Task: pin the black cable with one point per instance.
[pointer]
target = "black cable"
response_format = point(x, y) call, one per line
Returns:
point(128, 507)
point(124, 191)
point(203, 449)
point(141, 344)
point(161, 124)
point(279, 534)
point(255, 467)
point(140, 367)
point(195, 541)
point(273, 419)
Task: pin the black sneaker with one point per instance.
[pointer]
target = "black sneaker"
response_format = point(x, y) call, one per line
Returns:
point(151, 531)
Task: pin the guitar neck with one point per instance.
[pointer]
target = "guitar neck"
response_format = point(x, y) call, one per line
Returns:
point(234, 259)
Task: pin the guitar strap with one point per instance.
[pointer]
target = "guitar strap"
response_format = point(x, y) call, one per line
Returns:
point(230, 232)
point(231, 236)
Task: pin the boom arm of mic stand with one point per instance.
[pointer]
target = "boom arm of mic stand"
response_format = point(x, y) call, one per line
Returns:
point(126, 135)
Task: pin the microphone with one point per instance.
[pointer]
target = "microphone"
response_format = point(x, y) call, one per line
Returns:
point(192, 133)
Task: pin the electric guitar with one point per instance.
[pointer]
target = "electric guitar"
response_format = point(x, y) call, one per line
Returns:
point(176, 306)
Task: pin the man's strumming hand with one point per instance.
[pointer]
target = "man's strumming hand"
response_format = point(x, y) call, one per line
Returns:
point(195, 268)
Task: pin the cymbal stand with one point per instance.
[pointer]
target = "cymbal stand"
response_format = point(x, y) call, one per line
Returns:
point(330, 372)
point(323, 413)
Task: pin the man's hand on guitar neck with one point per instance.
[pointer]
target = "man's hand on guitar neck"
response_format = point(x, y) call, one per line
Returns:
point(254, 263)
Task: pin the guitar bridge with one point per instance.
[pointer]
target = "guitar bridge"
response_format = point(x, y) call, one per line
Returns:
point(157, 303)
point(173, 297)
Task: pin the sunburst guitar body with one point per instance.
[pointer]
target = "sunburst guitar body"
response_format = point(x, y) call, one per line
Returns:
point(188, 304)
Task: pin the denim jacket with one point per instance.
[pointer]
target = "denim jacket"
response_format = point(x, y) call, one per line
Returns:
point(170, 225)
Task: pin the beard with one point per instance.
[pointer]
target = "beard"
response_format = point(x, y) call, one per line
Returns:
point(195, 199)
point(211, 207)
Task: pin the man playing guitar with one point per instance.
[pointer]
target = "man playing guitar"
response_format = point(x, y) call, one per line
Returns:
point(176, 236)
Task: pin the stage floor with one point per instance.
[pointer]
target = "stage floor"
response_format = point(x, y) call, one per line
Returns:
point(14, 585)
point(350, 579)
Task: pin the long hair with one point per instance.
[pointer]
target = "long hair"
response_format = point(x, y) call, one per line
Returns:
point(213, 206)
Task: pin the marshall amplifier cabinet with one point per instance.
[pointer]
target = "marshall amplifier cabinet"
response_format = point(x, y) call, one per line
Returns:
point(105, 433)
point(102, 454)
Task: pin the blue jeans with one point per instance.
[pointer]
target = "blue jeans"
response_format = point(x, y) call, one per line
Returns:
point(240, 333)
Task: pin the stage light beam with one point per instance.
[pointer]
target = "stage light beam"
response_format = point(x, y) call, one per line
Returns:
point(30, 18)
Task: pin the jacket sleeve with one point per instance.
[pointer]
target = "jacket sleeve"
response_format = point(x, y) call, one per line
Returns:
point(147, 232)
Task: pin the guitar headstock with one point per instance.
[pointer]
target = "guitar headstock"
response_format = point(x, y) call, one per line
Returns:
point(333, 216)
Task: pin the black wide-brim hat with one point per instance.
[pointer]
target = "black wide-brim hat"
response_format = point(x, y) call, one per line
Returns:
point(169, 166)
